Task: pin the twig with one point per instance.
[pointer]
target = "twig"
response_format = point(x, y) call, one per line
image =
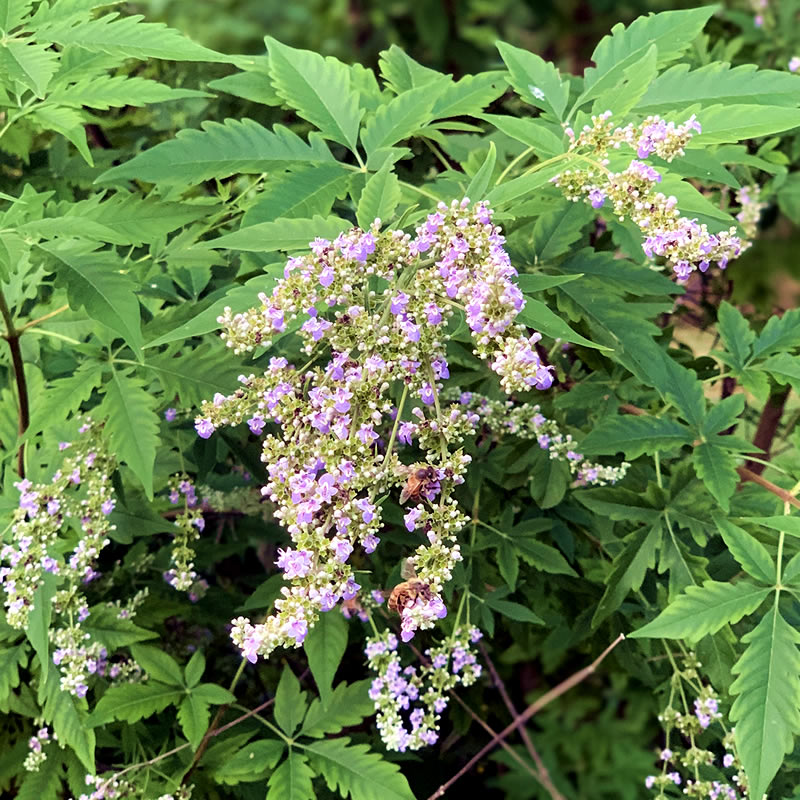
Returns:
point(532, 709)
point(544, 775)
point(768, 426)
point(12, 337)
point(36, 321)
point(748, 475)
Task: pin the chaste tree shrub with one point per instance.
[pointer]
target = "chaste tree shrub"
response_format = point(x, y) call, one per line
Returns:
point(304, 417)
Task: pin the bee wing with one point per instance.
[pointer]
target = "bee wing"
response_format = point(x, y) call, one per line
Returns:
point(407, 570)
point(404, 495)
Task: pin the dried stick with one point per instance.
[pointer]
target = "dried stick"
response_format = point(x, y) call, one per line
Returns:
point(544, 775)
point(532, 709)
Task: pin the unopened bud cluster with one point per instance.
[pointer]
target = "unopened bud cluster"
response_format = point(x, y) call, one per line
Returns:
point(373, 310)
point(684, 243)
point(189, 522)
point(410, 700)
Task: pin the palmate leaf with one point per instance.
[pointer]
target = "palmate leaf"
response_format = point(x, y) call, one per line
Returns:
point(29, 64)
point(704, 609)
point(735, 333)
point(767, 709)
point(158, 665)
point(557, 231)
point(716, 467)
point(318, 88)
point(292, 779)
point(747, 550)
point(634, 436)
point(116, 91)
point(45, 784)
point(194, 713)
point(325, 646)
point(10, 661)
point(282, 234)
point(128, 37)
point(400, 117)
point(94, 281)
point(131, 425)
point(784, 368)
point(402, 73)
point(130, 702)
point(356, 772)
point(379, 198)
point(300, 194)
point(678, 87)
point(347, 704)
point(220, 150)
point(290, 702)
point(779, 333)
point(469, 95)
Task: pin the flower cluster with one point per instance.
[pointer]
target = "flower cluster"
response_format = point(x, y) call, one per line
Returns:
point(410, 701)
point(631, 193)
point(762, 14)
point(749, 198)
point(685, 763)
point(373, 310)
point(115, 788)
point(794, 64)
point(189, 523)
point(526, 421)
point(36, 753)
point(80, 491)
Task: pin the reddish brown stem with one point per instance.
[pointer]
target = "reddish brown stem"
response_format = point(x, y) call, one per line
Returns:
point(747, 475)
point(768, 427)
point(12, 337)
point(532, 709)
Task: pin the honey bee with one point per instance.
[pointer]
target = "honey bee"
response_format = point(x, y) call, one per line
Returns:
point(421, 479)
point(409, 590)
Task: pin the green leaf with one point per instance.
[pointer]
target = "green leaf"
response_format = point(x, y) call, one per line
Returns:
point(10, 661)
point(540, 555)
point(131, 425)
point(480, 180)
point(508, 564)
point(734, 122)
point(220, 150)
point(402, 73)
point(252, 763)
point(193, 717)
point(253, 85)
point(515, 611)
point(301, 194)
point(325, 645)
point(29, 64)
point(346, 706)
point(556, 231)
point(282, 234)
point(634, 436)
point(683, 388)
point(39, 622)
point(116, 91)
point(468, 95)
point(628, 570)
point(160, 666)
point(780, 333)
point(538, 283)
point(723, 415)
point(290, 702)
point(704, 609)
point(12, 12)
point(44, 784)
point(535, 80)
point(128, 37)
point(399, 118)
point(678, 87)
point(767, 710)
point(534, 133)
point(68, 717)
point(131, 702)
point(629, 87)
point(292, 779)
point(747, 550)
point(194, 669)
point(716, 467)
point(66, 121)
point(517, 189)
point(355, 771)
point(105, 626)
point(318, 88)
point(94, 281)
point(379, 198)
point(537, 315)
point(784, 368)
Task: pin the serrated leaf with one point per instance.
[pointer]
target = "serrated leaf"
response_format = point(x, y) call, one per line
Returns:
point(734, 122)
point(318, 88)
point(747, 550)
point(325, 645)
point(292, 779)
point(290, 702)
point(469, 95)
point(541, 556)
point(534, 133)
point(517, 189)
point(39, 618)
point(767, 710)
point(29, 64)
point(716, 467)
point(128, 37)
point(44, 784)
point(94, 282)
point(537, 315)
point(723, 415)
point(480, 180)
point(302, 193)
point(282, 234)
point(379, 198)
point(556, 231)
point(193, 717)
point(131, 425)
point(116, 91)
point(514, 611)
point(508, 564)
point(252, 763)
point(131, 702)
point(535, 80)
point(634, 436)
point(356, 772)
point(683, 388)
point(68, 717)
point(66, 121)
point(347, 705)
point(12, 12)
point(628, 570)
point(538, 283)
point(399, 118)
point(160, 666)
point(780, 333)
point(220, 150)
point(194, 670)
point(402, 73)
point(105, 626)
point(704, 609)
point(10, 661)
point(784, 368)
